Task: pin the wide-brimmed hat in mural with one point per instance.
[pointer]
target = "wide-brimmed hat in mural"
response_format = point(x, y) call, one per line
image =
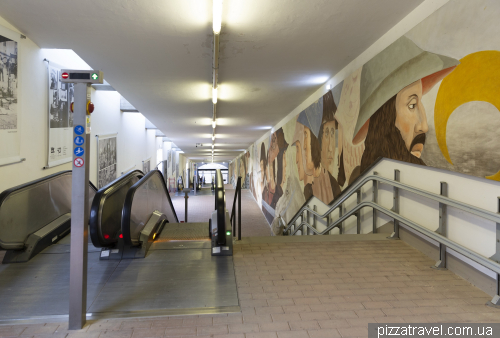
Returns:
point(396, 67)
point(311, 117)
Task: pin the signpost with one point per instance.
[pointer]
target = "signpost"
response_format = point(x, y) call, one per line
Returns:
point(80, 193)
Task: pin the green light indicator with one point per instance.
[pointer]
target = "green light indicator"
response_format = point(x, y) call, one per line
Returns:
point(228, 233)
point(94, 76)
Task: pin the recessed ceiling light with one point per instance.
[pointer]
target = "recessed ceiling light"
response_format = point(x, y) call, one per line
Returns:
point(217, 16)
point(214, 95)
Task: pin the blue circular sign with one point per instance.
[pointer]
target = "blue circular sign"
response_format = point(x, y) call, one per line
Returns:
point(79, 140)
point(79, 151)
point(79, 130)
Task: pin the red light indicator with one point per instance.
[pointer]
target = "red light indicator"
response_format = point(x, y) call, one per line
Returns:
point(64, 75)
point(106, 236)
point(72, 106)
point(121, 236)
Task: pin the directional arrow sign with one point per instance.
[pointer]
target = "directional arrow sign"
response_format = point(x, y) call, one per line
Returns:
point(94, 76)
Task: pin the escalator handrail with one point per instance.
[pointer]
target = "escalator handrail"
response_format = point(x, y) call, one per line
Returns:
point(98, 202)
point(220, 207)
point(129, 199)
point(7, 192)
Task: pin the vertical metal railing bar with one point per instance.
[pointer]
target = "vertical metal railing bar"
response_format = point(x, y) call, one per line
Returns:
point(441, 263)
point(395, 205)
point(375, 200)
point(314, 219)
point(358, 214)
point(341, 224)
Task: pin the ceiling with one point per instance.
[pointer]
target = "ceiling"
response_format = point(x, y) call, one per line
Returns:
point(158, 55)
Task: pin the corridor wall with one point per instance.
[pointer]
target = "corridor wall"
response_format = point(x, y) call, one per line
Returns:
point(428, 97)
point(135, 143)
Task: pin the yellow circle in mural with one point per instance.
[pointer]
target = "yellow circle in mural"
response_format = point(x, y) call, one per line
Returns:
point(476, 78)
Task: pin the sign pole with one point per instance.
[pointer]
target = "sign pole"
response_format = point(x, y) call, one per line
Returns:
point(79, 211)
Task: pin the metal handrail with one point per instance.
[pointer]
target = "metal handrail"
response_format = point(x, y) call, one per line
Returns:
point(220, 207)
point(232, 221)
point(443, 241)
point(495, 217)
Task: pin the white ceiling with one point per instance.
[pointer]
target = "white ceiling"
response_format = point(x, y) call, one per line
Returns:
point(158, 55)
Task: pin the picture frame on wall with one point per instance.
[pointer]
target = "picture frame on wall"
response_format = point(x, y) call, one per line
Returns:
point(106, 159)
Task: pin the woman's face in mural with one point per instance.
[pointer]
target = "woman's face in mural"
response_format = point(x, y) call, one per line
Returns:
point(328, 144)
point(411, 119)
point(298, 161)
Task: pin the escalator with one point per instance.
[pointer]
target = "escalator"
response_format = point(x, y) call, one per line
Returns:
point(36, 215)
point(134, 213)
point(106, 210)
point(129, 213)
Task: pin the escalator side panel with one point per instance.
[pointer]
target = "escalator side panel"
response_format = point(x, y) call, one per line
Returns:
point(147, 196)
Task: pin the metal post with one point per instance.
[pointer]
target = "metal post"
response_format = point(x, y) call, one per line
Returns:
point(341, 224)
point(239, 211)
point(314, 221)
point(186, 192)
point(496, 256)
point(308, 232)
point(395, 207)
point(495, 302)
point(441, 263)
point(358, 213)
point(79, 212)
point(233, 223)
point(375, 200)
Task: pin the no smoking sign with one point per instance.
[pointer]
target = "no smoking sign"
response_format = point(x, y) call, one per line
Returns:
point(78, 162)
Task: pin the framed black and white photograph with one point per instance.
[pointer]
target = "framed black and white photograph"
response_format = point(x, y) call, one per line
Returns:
point(60, 117)
point(10, 151)
point(106, 159)
point(8, 84)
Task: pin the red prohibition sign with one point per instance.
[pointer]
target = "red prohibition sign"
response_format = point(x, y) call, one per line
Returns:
point(78, 162)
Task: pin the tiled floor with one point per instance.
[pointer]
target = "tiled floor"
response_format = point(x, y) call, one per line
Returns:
point(314, 289)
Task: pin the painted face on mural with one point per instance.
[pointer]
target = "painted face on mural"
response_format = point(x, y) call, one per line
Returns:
point(328, 144)
point(411, 119)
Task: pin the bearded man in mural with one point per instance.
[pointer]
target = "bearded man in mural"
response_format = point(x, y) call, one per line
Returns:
point(391, 121)
point(327, 141)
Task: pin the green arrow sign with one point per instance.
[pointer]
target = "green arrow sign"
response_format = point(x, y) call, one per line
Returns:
point(94, 76)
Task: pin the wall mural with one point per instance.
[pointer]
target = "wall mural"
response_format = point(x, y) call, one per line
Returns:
point(430, 98)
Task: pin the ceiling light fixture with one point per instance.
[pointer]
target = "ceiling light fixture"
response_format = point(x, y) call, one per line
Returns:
point(214, 123)
point(213, 146)
point(217, 16)
point(214, 95)
point(213, 137)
